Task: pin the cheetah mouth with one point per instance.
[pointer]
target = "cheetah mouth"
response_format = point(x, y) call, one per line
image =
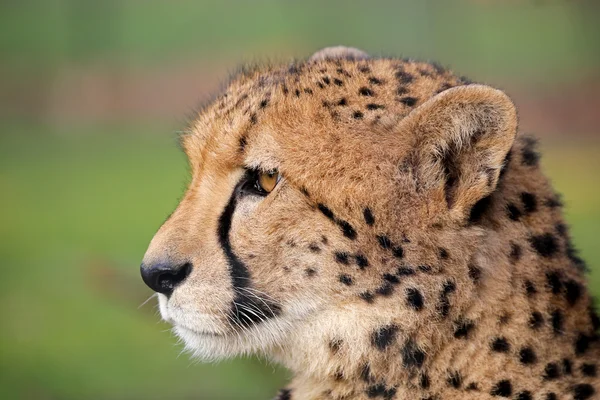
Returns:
point(199, 333)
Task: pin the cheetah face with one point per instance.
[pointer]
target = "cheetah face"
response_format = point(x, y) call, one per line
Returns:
point(299, 220)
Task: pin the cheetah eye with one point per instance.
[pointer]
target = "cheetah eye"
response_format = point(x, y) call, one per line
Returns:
point(267, 181)
point(261, 182)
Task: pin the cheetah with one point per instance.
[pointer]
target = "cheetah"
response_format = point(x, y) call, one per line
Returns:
point(378, 227)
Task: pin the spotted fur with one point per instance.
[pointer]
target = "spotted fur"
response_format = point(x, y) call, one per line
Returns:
point(412, 250)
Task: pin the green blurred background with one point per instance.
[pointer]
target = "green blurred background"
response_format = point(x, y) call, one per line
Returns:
point(91, 96)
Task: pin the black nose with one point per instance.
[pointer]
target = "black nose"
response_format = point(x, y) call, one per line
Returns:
point(164, 278)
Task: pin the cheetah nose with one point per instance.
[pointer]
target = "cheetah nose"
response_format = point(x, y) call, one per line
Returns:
point(164, 277)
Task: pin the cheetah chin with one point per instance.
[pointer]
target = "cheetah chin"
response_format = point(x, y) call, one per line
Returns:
point(381, 228)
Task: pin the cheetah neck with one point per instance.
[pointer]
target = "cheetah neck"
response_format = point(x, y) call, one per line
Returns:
point(525, 330)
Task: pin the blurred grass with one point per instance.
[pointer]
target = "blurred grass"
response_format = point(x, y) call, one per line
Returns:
point(80, 206)
point(525, 40)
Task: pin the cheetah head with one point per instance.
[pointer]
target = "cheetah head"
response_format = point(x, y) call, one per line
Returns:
point(318, 191)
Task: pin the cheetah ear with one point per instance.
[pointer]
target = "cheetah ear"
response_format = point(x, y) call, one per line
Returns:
point(339, 52)
point(463, 136)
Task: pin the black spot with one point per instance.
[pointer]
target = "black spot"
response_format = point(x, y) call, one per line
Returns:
point(338, 82)
point(529, 202)
point(572, 291)
point(530, 156)
point(346, 279)
point(347, 229)
point(551, 372)
point(454, 379)
point(404, 77)
point(264, 103)
point(472, 387)
point(304, 191)
point(524, 395)
point(527, 356)
point(385, 290)
point(384, 241)
point(408, 101)
point(405, 271)
point(402, 90)
point(515, 252)
point(308, 91)
point(479, 209)
point(462, 328)
point(513, 212)
point(561, 229)
point(443, 307)
point(375, 81)
point(310, 272)
point(582, 343)
point(364, 69)
point(425, 268)
point(297, 92)
point(474, 273)
point(553, 282)
point(326, 211)
point(365, 91)
point(285, 89)
point(339, 375)
point(398, 252)
point(314, 248)
point(335, 344)
point(412, 355)
point(594, 319)
point(342, 257)
point(448, 287)
point(536, 320)
point(373, 106)
point(583, 391)
point(284, 394)
point(368, 215)
point(530, 289)
point(253, 119)
point(551, 396)
point(391, 278)
point(414, 299)
point(443, 87)
point(243, 142)
point(443, 253)
point(357, 115)
point(384, 336)
point(553, 202)
point(589, 370)
point(365, 373)
point(500, 345)
point(424, 381)
point(361, 261)
point(342, 102)
point(567, 366)
point(326, 80)
point(367, 296)
point(546, 244)
point(573, 255)
point(557, 322)
point(502, 389)
point(380, 390)
point(504, 318)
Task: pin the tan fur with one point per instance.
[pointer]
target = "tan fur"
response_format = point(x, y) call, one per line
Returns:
point(420, 148)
